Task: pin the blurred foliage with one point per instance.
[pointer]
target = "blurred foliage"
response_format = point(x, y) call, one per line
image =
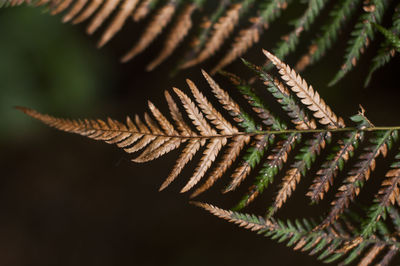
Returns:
point(47, 65)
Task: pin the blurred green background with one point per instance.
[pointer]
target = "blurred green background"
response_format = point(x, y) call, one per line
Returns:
point(66, 200)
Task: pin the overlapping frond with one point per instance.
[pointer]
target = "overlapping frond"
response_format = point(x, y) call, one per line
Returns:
point(245, 20)
point(330, 244)
point(252, 141)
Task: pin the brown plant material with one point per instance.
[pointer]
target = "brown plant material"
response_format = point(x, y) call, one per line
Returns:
point(156, 135)
point(229, 216)
point(222, 29)
point(175, 37)
point(390, 191)
point(246, 39)
point(330, 169)
point(371, 255)
point(75, 9)
point(243, 170)
point(88, 11)
point(61, 7)
point(102, 15)
point(156, 26)
point(306, 94)
point(293, 175)
point(119, 20)
point(142, 11)
point(352, 185)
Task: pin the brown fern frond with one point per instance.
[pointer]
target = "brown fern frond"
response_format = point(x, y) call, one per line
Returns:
point(293, 175)
point(194, 114)
point(175, 37)
point(88, 11)
point(209, 156)
point(357, 177)
point(222, 29)
point(223, 97)
point(75, 9)
point(243, 170)
point(184, 158)
point(256, 225)
point(275, 160)
point(246, 39)
point(142, 11)
point(102, 15)
point(385, 261)
point(306, 94)
point(330, 168)
point(125, 11)
point(61, 7)
point(229, 157)
point(213, 115)
point(390, 191)
point(155, 27)
point(371, 255)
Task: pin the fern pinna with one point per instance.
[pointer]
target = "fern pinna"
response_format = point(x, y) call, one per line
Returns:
point(263, 143)
point(222, 24)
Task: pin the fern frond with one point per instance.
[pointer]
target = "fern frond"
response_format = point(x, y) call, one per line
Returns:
point(144, 9)
point(259, 142)
point(360, 174)
point(390, 37)
point(156, 26)
point(222, 29)
point(176, 36)
point(329, 33)
point(361, 36)
point(126, 10)
point(385, 53)
point(306, 93)
point(289, 42)
point(330, 243)
point(250, 36)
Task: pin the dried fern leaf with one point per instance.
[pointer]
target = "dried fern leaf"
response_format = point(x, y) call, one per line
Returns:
point(200, 39)
point(388, 256)
point(270, 169)
point(246, 39)
point(299, 234)
point(119, 20)
point(156, 26)
point(334, 163)
point(390, 190)
point(250, 36)
point(307, 156)
point(361, 173)
point(251, 159)
point(222, 29)
point(88, 11)
point(61, 7)
point(102, 15)
point(229, 157)
point(175, 37)
point(307, 94)
point(143, 9)
point(75, 9)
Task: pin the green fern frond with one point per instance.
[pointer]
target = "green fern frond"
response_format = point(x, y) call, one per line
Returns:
point(341, 12)
point(394, 40)
point(332, 244)
point(361, 36)
point(385, 52)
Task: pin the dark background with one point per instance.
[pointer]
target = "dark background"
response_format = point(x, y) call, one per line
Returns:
point(67, 200)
